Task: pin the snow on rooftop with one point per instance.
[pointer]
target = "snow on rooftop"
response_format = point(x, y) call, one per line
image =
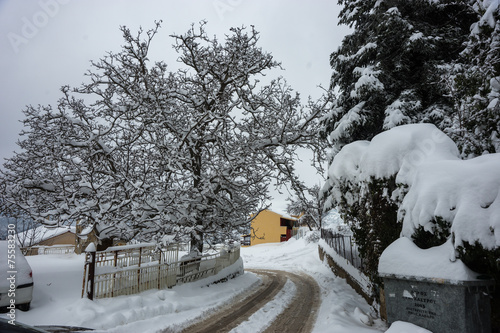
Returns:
point(41, 233)
point(283, 214)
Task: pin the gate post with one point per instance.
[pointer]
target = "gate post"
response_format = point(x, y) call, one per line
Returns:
point(90, 251)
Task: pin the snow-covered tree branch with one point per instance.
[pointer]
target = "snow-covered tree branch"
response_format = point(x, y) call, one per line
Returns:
point(142, 152)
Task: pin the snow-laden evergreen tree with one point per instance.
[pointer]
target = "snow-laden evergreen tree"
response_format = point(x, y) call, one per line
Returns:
point(476, 86)
point(394, 69)
point(390, 71)
point(142, 152)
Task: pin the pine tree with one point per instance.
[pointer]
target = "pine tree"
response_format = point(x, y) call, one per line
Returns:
point(476, 86)
point(390, 70)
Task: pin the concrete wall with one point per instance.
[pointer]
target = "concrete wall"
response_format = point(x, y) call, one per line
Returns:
point(340, 272)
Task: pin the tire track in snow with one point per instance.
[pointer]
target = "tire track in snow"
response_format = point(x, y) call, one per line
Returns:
point(265, 316)
point(301, 314)
point(286, 302)
point(230, 316)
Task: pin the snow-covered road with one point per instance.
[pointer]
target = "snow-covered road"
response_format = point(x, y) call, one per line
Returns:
point(285, 302)
point(58, 281)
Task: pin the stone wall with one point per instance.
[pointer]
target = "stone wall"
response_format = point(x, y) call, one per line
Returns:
point(340, 272)
point(439, 305)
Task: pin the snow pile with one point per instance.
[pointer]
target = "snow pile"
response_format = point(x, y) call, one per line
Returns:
point(400, 150)
point(403, 258)
point(404, 327)
point(462, 192)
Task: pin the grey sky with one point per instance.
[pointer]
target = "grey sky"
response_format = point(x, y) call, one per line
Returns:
point(45, 44)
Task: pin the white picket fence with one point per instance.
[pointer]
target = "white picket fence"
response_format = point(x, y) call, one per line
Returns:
point(43, 250)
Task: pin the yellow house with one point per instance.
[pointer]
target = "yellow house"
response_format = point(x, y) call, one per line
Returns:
point(270, 227)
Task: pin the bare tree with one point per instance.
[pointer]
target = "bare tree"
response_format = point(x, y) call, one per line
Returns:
point(149, 152)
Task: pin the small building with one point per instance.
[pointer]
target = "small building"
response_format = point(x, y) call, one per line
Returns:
point(41, 236)
point(270, 227)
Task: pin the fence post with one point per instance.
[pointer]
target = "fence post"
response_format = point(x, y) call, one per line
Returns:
point(90, 251)
point(343, 245)
point(139, 271)
point(85, 269)
point(352, 256)
point(159, 268)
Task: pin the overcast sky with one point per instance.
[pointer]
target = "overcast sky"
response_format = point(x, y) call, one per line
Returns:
point(45, 44)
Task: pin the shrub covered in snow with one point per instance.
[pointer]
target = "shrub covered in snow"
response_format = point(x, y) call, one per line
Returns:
point(312, 236)
point(457, 200)
point(368, 181)
point(410, 181)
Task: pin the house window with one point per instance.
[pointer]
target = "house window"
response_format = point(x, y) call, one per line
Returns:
point(246, 240)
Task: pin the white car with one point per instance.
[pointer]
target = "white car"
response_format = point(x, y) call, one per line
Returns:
point(16, 278)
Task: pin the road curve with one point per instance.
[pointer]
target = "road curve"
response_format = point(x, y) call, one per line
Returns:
point(299, 316)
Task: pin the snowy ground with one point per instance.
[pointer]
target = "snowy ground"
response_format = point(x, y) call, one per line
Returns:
point(58, 283)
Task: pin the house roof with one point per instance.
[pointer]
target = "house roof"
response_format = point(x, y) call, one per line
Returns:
point(42, 233)
point(283, 214)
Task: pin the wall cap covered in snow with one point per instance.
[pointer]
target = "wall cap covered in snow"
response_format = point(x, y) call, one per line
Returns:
point(403, 259)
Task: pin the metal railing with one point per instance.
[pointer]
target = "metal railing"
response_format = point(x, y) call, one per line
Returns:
point(344, 246)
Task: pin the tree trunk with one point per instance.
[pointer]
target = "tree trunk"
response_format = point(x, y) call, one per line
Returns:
point(196, 241)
